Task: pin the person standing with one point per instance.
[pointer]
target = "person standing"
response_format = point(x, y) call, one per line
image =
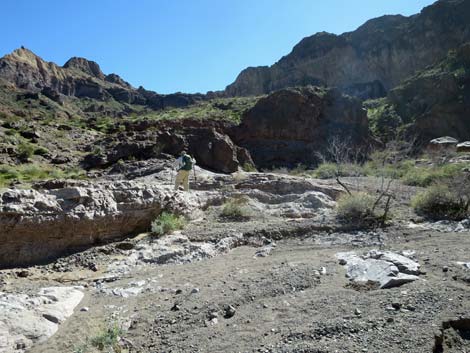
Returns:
point(185, 163)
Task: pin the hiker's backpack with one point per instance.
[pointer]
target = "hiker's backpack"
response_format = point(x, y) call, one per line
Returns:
point(187, 162)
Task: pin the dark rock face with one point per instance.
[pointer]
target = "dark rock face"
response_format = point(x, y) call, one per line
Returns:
point(381, 53)
point(289, 126)
point(208, 143)
point(436, 102)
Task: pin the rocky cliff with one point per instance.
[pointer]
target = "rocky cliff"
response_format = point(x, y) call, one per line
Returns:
point(368, 61)
point(435, 102)
point(291, 126)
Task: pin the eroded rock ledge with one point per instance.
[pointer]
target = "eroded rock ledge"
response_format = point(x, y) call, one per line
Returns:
point(40, 225)
point(55, 218)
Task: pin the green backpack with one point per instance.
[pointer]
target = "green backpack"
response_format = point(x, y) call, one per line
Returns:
point(187, 162)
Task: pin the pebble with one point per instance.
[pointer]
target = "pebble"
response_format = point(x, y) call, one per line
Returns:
point(357, 312)
point(229, 311)
point(85, 308)
point(195, 290)
point(23, 273)
point(213, 315)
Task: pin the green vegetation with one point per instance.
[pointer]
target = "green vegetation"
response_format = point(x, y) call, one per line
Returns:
point(248, 167)
point(331, 170)
point(40, 151)
point(103, 124)
point(28, 173)
point(405, 170)
point(226, 109)
point(25, 151)
point(357, 209)
point(107, 339)
point(442, 202)
point(384, 121)
point(427, 175)
point(236, 208)
point(167, 223)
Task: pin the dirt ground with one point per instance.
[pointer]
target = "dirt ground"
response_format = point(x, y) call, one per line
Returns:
point(295, 298)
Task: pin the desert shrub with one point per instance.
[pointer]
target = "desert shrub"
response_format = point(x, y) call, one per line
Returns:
point(326, 171)
point(248, 167)
point(441, 201)
point(279, 170)
point(107, 339)
point(425, 176)
point(25, 151)
point(419, 177)
point(167, 223)
point(7, 175)
point(357, 209)
point(41, 151)
point(236, 208)
point(97, 151)
point(300, 169)
point(331, 170)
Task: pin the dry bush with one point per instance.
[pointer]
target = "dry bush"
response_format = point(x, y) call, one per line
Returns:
point(449, 200)
point(359, 210)
point(237, 208)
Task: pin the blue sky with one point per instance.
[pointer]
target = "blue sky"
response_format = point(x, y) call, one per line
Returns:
point(180, 45)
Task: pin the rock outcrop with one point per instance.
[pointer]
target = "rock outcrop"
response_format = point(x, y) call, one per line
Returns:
point(40, 225)
point(290, 126)
point(32, 318)
point(368, 61)
point(463, 146)
point(60, 217)
point(207, 142)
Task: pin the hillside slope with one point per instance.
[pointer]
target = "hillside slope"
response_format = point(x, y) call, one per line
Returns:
point(435, 102)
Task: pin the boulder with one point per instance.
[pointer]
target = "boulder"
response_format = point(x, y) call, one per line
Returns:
point(463, 147)
point(382, 272)
point(445, 143)
point(404, 264)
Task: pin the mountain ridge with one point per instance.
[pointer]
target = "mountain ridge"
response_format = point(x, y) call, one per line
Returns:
point(383, 50)
point(81, 78)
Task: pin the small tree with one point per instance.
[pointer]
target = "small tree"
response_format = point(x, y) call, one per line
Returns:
point(341, 154)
